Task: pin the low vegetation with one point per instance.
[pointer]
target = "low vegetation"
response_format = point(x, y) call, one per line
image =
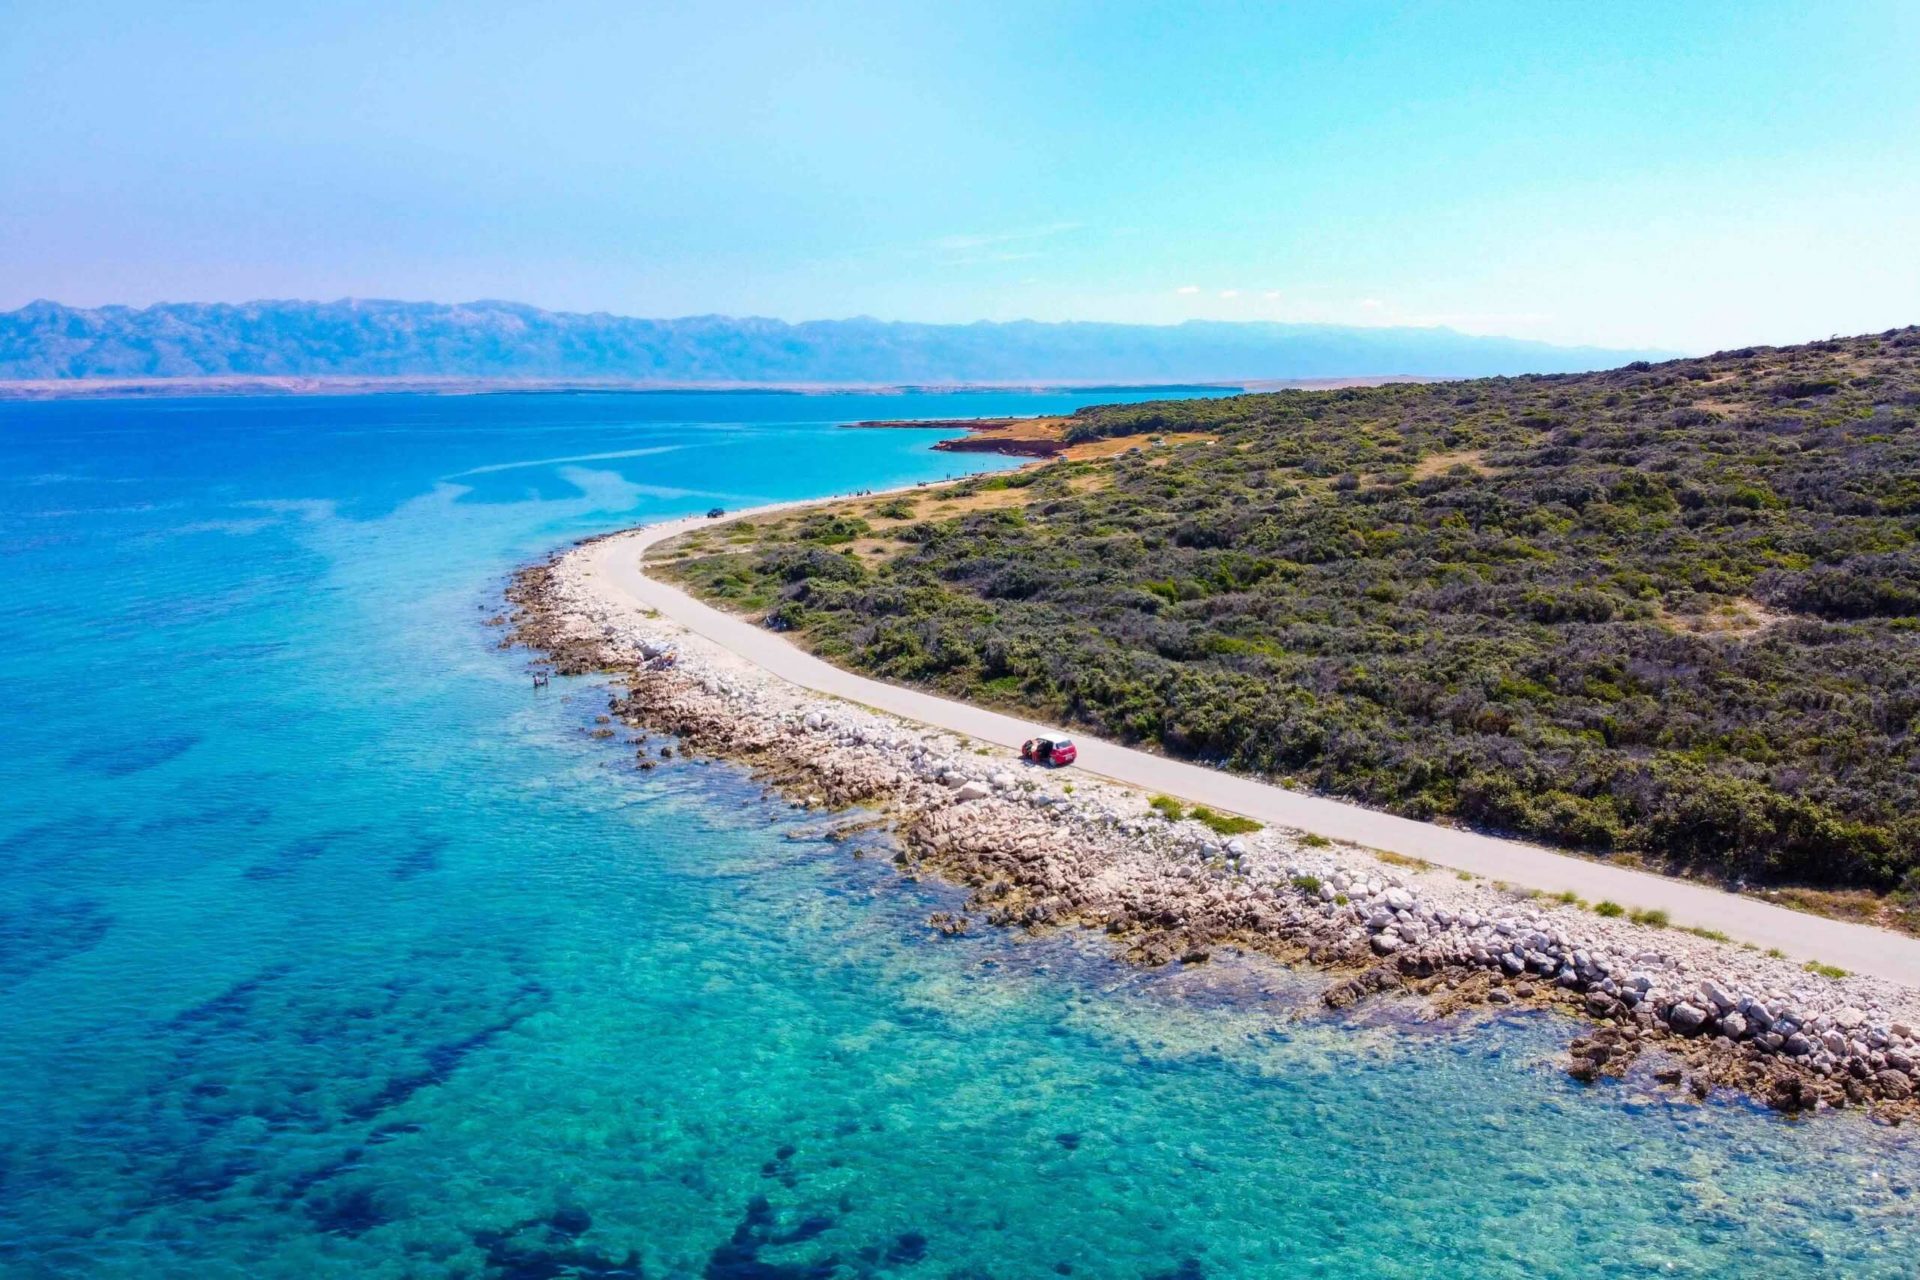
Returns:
point(1669, 611)
point(1223, 824)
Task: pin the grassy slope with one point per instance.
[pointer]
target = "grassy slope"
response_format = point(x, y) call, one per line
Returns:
point(1672, 610)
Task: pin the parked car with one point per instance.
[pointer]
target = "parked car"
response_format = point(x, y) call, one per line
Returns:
point(1053, 752)
point(716, 512)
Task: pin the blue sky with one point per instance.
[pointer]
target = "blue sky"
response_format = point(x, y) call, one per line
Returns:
point(1691, 176)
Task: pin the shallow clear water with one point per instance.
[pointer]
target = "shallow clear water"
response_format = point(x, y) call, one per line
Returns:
point(328, 947)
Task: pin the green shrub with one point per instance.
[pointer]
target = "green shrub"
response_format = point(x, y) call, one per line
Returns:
point(1670, 613)
point(1223, 824)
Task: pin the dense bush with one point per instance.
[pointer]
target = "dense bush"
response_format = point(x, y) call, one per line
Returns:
point(1669, 608)
point(1881, 586)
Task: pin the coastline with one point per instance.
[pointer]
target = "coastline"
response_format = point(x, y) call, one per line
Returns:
point(1046, 850)
point(438, 385)
point(462, 385)
point(1041, 438)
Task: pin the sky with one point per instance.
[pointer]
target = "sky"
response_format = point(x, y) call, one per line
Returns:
point(1684, 176)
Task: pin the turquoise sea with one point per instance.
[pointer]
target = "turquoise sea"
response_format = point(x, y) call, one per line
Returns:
point(328, 947)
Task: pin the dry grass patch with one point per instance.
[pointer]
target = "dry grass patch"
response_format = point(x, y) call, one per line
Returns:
point(1114, 446)
point(1438, 463)
point(1859, 905)
point(1736, 617)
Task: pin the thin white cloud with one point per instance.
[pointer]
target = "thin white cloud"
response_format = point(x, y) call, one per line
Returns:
point(1188, 288)
point(1229, 293)
point(984, 259)
point(982, 240)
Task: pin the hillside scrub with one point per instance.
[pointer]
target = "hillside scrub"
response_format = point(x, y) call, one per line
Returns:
point(1670, 608)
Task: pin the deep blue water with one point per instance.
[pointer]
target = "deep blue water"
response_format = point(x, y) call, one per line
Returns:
point(328, 947)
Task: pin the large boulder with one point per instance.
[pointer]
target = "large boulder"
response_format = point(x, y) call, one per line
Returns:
point(975, 790)
point(1686, 1018)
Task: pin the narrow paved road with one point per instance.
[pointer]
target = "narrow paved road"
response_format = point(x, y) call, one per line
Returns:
point(1857, 948)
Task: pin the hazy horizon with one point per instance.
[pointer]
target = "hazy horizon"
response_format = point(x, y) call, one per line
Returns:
point(756, 317)
point(1644, 177)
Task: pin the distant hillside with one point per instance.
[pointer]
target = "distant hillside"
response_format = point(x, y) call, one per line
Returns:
point(46, 340)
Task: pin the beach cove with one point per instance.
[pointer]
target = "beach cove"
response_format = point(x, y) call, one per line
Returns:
point(333, 948)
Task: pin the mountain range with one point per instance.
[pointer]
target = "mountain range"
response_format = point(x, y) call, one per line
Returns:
point(361, 338)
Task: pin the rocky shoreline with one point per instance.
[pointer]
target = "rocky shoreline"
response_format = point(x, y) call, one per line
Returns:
point(1039, 437)
point(1053, 849)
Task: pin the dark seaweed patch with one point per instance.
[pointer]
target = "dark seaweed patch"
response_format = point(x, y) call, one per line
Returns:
point(119, 759)
point(781, 1167)
point(45, 932)
point(1189, 1269)
point(226, 815)
point(349, 1211)
point(571, 1221)
point(444, 1058)
point(547, 1249)
point(230, 1005)
point(298, 1186)
point(290, 857)
point(910, 1247)
point(419, 858)
point(61, 842)
point(758, 1229)
point(184, 1133)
